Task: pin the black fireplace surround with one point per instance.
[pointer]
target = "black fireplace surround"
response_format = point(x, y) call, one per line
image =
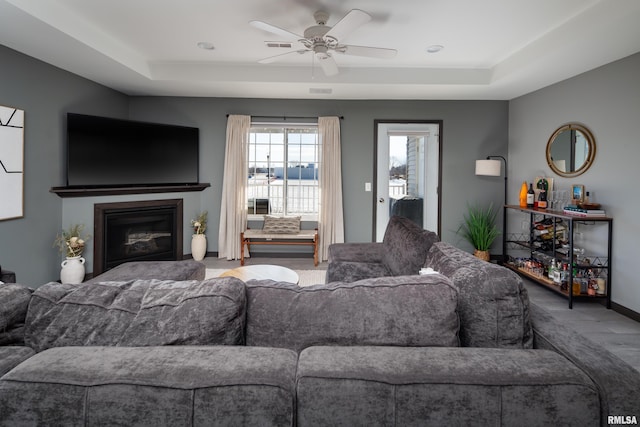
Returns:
point(149, 230)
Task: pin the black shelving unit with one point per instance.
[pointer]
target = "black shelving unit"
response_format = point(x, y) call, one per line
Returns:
point(564, 253)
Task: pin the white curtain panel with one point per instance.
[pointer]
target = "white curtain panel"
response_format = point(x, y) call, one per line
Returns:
point(233, 209)
point(331, 223)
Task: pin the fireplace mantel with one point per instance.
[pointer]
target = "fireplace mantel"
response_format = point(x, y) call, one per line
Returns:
point(114, 191)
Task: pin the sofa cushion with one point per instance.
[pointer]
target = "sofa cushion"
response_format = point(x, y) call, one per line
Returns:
point(404, 386)
point(152, 386)
point(493, 302)
point(406, 246)
point(404, 311)
point(137, 313)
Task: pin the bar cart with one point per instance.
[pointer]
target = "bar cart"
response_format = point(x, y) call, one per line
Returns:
point(549, 248)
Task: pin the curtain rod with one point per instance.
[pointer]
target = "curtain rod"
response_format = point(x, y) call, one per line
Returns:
point(287, 117)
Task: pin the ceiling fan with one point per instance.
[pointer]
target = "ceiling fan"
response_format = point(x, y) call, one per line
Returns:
point(323, 40)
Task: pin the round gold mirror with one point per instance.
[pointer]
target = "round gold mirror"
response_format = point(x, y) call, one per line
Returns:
point(571, 150)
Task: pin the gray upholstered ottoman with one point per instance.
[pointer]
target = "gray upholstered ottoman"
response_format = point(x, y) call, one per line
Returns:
point(154, 386)
point(406, 386)
point(162, 270)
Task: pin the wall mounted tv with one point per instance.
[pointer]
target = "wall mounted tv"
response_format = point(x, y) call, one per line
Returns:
point(106, 152)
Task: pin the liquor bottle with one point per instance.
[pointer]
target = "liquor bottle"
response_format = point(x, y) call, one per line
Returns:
point(542, 199)
point(602, 282)
point(557, 272)
point(564, 278)
point(523, 195)
point(552, 270)
point(531, 196)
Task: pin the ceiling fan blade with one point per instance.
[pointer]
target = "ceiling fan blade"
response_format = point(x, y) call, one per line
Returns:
point(371, 52)
point(328, 65)
point(275, 30)
point(275, 58)
point(346, 25)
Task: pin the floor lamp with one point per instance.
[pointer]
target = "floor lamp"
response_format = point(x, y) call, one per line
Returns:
point(491, 167)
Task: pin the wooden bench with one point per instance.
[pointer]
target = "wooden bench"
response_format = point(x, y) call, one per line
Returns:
point(258, 237)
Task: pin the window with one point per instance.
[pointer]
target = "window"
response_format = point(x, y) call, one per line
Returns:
point(283, 171)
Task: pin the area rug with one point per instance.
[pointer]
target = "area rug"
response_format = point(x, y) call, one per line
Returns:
point(307, 277)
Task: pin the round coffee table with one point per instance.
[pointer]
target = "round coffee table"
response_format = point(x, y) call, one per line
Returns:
point(263, 271)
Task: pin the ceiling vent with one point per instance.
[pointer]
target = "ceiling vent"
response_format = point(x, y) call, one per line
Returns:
point(279, 44)
point(320, 90)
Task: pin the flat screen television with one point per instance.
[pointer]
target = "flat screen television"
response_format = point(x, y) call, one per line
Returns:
point(107, 152)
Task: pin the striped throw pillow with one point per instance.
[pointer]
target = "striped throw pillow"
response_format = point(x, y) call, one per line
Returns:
point(281, 225)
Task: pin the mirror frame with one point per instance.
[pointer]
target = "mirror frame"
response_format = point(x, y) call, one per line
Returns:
point(591, 141)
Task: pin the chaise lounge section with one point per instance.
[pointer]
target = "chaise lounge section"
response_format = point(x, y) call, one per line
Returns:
point(402, 252)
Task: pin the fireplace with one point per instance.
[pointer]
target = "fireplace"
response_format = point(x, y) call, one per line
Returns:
point(148, 230)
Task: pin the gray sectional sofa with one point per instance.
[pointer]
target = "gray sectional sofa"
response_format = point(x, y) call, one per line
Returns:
point(462, 346)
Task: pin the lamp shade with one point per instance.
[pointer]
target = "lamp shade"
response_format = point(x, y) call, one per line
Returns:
point(488, 167)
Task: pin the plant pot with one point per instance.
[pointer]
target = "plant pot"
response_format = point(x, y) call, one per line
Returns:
point(483, 255)
point(198, 246)
point(72, 270)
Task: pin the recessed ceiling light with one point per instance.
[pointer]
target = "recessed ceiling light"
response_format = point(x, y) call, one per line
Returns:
point(206, 45)
point(435, 48)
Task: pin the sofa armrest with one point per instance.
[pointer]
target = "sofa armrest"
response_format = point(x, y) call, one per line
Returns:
point(356, 252)
point(350, 262)
point(14, 301)
point(12, 356)
point(616, 380)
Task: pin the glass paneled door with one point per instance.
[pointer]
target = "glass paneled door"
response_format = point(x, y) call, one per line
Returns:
point(407, 174)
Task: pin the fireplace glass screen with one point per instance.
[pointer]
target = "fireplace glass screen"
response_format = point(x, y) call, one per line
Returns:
point(140, 235)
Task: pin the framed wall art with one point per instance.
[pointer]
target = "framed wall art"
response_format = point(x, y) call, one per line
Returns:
point(577, 193)
point(11, 163)
point(541, 182)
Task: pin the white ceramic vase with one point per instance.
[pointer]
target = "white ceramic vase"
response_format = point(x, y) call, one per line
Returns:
point(198, 246)
point(72, 270)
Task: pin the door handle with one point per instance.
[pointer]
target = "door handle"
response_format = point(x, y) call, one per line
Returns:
point(381, 200)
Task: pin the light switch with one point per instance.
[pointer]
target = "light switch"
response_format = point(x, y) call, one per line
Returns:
point(367, 186)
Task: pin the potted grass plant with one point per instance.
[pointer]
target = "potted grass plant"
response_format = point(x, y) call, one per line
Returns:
point(478, 228)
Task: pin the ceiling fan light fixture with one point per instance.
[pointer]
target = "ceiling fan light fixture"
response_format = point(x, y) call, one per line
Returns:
point(323, 41)
point(321, 51)
point(206, 46)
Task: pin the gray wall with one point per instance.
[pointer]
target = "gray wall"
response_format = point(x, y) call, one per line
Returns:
point(607, 101)
point(471, 130)
point(46, 94)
